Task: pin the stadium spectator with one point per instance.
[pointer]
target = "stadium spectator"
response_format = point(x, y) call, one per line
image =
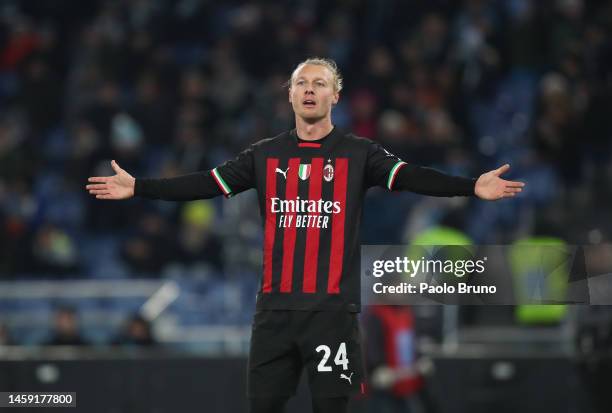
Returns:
point(66, 329)
point(136, 332)
point(397, 382)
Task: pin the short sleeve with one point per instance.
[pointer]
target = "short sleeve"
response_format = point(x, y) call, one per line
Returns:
point(236, 175)
point(381, 166)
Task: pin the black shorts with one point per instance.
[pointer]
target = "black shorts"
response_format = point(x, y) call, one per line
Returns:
point(326, 343)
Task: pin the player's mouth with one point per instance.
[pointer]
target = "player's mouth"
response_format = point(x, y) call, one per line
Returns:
point(309, 103)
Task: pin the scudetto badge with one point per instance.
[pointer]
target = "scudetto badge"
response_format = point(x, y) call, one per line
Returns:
point(304, 171)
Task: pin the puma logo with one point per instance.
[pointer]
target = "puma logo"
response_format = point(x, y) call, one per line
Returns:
point(343, 376)
point(280, 171)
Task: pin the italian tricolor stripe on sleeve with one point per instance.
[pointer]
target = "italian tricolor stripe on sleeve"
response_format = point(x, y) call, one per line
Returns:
point(222, 184)
point(393, 174)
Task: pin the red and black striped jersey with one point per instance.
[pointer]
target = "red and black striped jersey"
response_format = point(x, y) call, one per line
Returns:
point(310, 196)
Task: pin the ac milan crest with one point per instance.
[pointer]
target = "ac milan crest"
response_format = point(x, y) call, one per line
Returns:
point(328, 172)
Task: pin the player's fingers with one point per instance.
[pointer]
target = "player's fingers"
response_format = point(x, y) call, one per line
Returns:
point(514, 184)
point(502, 169)
point(96, 186)
point(99, 179)
point(115, 166)
point(107, 196)
point(99, 191)
point(513, 190)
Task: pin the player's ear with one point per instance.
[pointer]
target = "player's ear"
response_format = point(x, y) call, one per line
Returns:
point(336, 98)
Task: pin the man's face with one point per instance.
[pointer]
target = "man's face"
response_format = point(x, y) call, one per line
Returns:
point(312, 93)
point(66, 322)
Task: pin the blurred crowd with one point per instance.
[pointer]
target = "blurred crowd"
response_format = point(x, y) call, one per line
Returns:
point(169, 87)
point(66, 331)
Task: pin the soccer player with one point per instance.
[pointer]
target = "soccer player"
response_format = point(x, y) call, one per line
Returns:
point(310, 183)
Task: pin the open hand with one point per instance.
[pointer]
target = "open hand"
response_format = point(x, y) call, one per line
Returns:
point(491, 187)
point(119, 186)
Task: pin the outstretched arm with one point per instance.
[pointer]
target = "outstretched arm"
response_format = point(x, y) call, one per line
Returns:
point(229, 179)
point(385, 169)
point(427, 181)
point(122, 185)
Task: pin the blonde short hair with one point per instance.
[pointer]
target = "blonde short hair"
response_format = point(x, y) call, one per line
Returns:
point(319, 61)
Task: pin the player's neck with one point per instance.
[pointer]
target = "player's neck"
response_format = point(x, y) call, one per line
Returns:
point(313, 131)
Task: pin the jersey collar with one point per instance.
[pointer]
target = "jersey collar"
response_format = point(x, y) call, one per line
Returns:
point(324, 142)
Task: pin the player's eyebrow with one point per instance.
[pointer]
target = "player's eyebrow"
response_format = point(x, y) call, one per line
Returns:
point(315, 79)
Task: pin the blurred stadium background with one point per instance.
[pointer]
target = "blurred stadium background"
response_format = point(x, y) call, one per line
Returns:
point(155, 299)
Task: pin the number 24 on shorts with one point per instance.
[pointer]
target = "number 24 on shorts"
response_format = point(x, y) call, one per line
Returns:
point(340, 359)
